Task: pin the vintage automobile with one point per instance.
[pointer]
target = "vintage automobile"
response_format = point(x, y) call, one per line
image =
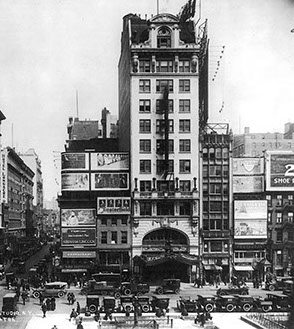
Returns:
point(280, 302)
point(144, 303)
point(111, 279)
point(169, 285)
point(92, 302)
point(129, 288)
point(262, 304)
point(126, 304)
point(232, 290)
point(187, 303)
point(276, 283)
point(108, 304)
point(159, 302)
point(93, 287)
point(206, 302)
point(10, 308)
point(51, 289)
point(226, 303)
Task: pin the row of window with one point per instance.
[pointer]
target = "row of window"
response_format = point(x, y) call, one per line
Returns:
point(165, 209)
point(113, 221)
point(289, 235)
point(113, 237)
point(279, 200)
point(145, 106)
point(145, 126)
point(163, 66)
point(216, 246)
point(184, 185)
point(216, 170)
point(184, 146)
point(145, 85)
point(215, 153)
point(184, 166)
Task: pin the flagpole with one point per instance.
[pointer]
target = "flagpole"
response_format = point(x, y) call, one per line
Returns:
point(157, 7)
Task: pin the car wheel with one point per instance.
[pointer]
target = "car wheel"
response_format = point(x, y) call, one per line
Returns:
point(36, 294)
point(230, 307)
point(139, 294)
point(246, 307)
point(128, 308)
point(266, 308)
point(271, 287)
point(222, 293)
point(208, 307)
point(127, 292)
point(117, 295)
point(177, 291)
point(60, 294)
point(159, 291)
point(145, 308)
point(92, 308)
point(244, 292)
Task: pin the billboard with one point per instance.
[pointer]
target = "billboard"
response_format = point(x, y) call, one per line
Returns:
point(280, 171)
point(113, 206)
point(248, 166)
point(248, 184)
point(4, 178)
point(75, 181)
point(77, 217)
point(109, 181)
point(74, 161)
point(250, 219)
point(109, 161)
point(78, 236)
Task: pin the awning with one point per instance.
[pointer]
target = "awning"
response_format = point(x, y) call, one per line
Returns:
point(79, 254)
point(247, 268)
point(212, 267)
point(73, 270)
point(181, 258)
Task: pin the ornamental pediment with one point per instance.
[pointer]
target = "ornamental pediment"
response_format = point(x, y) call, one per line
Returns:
point(167, 18)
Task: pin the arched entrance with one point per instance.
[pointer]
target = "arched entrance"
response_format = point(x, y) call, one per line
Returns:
point(165, 254)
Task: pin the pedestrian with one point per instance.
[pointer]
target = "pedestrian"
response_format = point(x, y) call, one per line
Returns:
point(54, 327)
point(80, 326)
point(53, 304)
point(73, 314)
point(41, 298)
point(78, 308)
point(97, 315)
point(23, 296)
point(48, 304)
point(44, 309)
point(73, 298)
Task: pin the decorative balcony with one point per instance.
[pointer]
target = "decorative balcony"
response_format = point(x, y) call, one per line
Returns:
point(165, 195)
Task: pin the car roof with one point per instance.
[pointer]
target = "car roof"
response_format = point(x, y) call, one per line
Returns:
point(60, 283)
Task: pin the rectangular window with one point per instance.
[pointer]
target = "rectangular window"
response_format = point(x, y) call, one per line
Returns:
point(279, 200)
point(160, 126)
point(145, 185)
point(144, 66)
point(165, 185)
point(279, 217)
point(144, 105)
point(184, 66)
point(215, 188)
point(164, 66)
point(103, 237)
point(160, 146)
point(165, 209)
point(185, 208)
point(145, 126)
point(161, 84)
point(185, 186)
point(145, 166)
point(103, 221)
point(144, 86)
point(160, 106)
point(279, 236)
point(184, 126)
point(124, 221)
point(145, 208)
point(113, 222)
point(160, 166)
point(113, 237)
point(185, 145)
point(124, 237)
point(290, 217)
point(145, 145)
point(215, 246)
point(184, 105)
point(269, 200)
point(184, 85)
point(185, 166)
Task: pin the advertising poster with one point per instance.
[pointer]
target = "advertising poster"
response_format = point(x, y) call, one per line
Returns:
point(248, 166)
point(78, 236)
point(113, 206)
point(77, 217)
point(280, 171)
point(109, 161)
point(248, 184)
point(250, 218)
point(4, 178)
point(74, 161)
point(75, 181)
point(110, 181)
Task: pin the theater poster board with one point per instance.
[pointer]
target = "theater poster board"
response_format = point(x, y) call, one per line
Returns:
point(115, 205)
point(78, 217)
point(109, 181)
point(78, 236)
point(109, 161)
point(75, 182)
point(74, 161)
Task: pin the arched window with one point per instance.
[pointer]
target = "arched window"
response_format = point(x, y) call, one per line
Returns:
point(164, 37)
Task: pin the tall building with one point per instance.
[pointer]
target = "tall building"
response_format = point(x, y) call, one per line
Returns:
point(2, 226)
point(162, 104)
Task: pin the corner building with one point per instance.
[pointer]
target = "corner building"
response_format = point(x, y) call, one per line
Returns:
point(159, 127)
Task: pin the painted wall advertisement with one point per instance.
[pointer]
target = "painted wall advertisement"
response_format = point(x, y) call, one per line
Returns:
point(248, 166)
point(280, 171)
point(110, 181)
point(74, 161)
point(109, 161)
point(77, 217)
point(250, 218)
point(113, 206)
point(78, 236)
point(75, 181)
point(248, 184)
point(4, 178)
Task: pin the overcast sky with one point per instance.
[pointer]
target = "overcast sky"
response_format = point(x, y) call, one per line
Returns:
point(51, 48)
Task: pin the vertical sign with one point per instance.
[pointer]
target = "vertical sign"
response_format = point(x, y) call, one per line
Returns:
point(4, 186)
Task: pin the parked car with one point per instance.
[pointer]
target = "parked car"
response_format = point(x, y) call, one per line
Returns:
point(92, 302)
point(206, 302)
point(159, 302)
point(144, 303)
point(108, 304)
point(10, 308)
point(51, 289)
point(226, 303)
point(169, 285)
point(126, 304)
point(258, 303)
point(93, 287)
point(280, 302)
point(132, 288)
point(232, 290)
point(187, 303)
point(277, 283)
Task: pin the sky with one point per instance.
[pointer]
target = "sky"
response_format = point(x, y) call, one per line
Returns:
point(49, 49)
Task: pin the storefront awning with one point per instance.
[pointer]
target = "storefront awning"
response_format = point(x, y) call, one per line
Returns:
point(181, 258)
point(73, 270)
point(79, 254)
point(212, 267)
point(246, 268)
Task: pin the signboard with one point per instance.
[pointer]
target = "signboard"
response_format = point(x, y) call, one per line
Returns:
point(4, 182)
point(113, 206)
point(280, 171)
point(110, 181)
point(75, 181)
point(109, 161)
point(250, 219)
point(77, 217)
point(79, 254)
point(248, 166)
point(78, 236)
point(74, 161)
point(248, 184)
